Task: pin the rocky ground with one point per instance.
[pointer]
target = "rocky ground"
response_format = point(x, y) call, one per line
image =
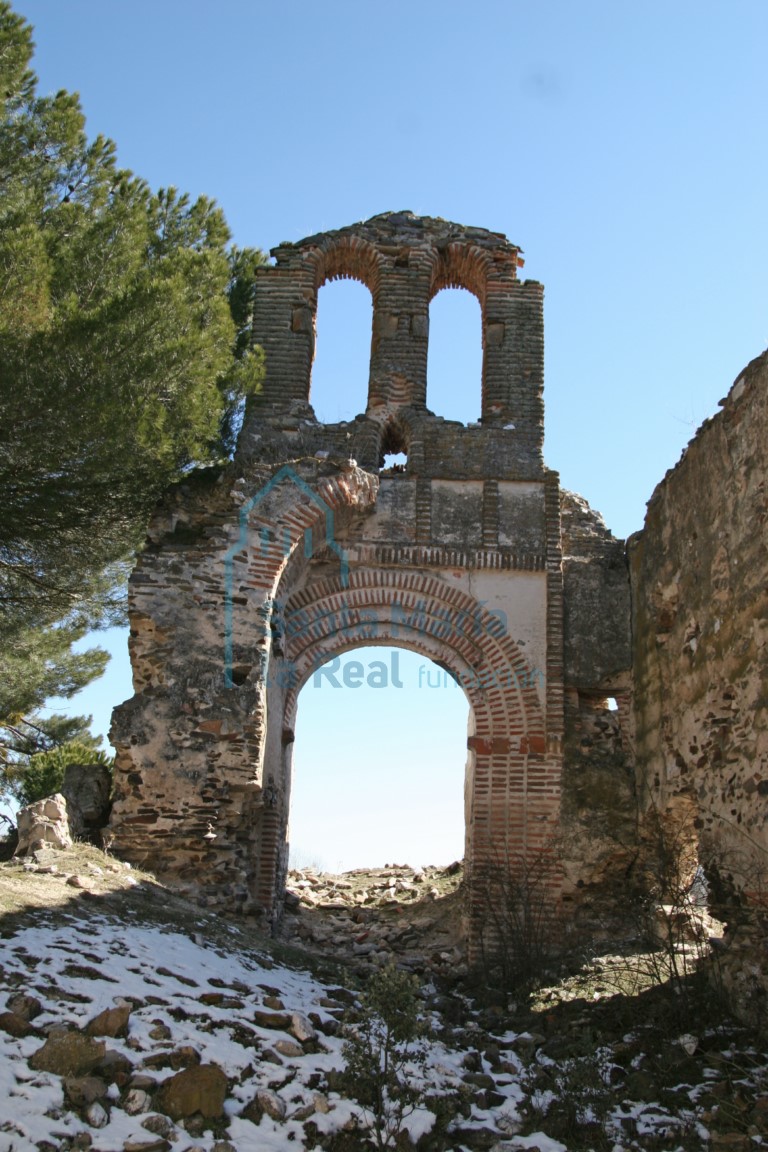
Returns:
point(132, 1022)
point(370, 915)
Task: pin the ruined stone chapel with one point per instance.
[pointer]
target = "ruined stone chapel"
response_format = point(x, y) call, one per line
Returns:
point(472, 555)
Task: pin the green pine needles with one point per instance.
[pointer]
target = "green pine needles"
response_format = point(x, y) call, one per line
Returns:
point(124, 360)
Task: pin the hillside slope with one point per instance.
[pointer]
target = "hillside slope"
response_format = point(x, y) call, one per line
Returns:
point(133, 1022)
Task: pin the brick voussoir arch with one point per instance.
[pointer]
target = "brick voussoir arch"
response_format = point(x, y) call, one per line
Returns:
point(269, 536)
point(326, 647)
point(462, 266)
point(396, 604)
point(346, 258)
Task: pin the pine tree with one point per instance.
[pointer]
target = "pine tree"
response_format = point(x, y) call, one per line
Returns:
point(124, 359)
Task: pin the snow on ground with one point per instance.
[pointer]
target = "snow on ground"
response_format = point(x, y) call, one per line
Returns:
point(84, 967)
point(224, 1004)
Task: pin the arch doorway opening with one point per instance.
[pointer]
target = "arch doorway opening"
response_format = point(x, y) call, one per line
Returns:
point(379, 764)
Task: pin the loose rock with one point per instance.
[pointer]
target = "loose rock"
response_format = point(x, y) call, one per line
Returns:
point(23, 1005)
point(84, 1090)
point(111, 1022)
point(68, 1054)
point(97, 1116)
point(43, 823)
point(200, 1089)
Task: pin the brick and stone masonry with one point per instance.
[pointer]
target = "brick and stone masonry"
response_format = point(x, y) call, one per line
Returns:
point(306, 547)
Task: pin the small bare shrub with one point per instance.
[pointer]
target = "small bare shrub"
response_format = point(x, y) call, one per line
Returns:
point(520, 936)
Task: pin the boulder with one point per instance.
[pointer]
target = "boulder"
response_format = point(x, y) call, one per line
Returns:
point(265, 1102)
point(115, 1068)
point(136, 1100)
point(200, 1089)
point(160, 1126)
point(84, 1090)
point(15, 1025)
point(302, 1028)
point(68, 1054)
point(24, 1005)
point(278, 1021)
point(43, 823)
point(111, 1022)
point(97, 1115)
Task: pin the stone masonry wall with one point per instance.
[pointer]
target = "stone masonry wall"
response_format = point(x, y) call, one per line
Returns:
point(699, 576)
point(599, 811)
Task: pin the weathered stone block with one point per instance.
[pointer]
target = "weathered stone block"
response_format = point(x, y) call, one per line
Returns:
point(43, 823)
point(200, 1089)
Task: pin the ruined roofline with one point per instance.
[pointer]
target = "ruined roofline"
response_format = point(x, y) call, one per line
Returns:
point(406, 229)
point(754, 375)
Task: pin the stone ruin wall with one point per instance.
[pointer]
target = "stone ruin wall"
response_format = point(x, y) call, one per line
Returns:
point(699, 572)
point(598, 815)
point(472, 556)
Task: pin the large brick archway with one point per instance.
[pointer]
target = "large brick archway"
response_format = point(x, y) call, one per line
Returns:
point(513, 778)
point(306, 546)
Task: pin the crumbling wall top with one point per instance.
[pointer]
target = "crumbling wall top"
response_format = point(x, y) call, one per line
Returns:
point(404, 260)
point(403, 229)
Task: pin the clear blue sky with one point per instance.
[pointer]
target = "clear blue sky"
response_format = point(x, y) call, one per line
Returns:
point(621, 145)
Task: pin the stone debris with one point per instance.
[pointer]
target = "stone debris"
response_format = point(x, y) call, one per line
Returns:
point(136, 1101)
point(283, 1085)
point(289, 1074)
point(82, 1091)
point(371, 916)
point(86, 883)
point(25, 1006)
point(270, 1103)
point(97, 1115)
point(14, 1025)
point(302, 1028)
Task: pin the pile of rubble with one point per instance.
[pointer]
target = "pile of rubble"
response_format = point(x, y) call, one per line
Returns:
point(368, 917)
